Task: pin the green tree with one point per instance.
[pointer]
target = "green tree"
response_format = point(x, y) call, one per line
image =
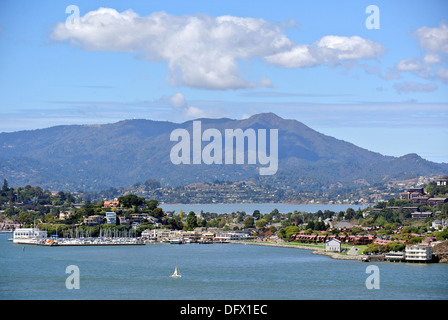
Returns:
point(249, 222)
point(192, 221)
point(289, 231)
point(157, 213)
point(131, 200)
point(445, 209)
point(395, 246)
point(349, 214)
point(25, 218)
point(442, 235)
point(357, 230)
point(310, 225)
point(372, 248)
point(260, 224)
point(152, 204)
point(5, 186)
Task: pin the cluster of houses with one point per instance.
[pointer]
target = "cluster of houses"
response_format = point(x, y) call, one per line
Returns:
point(323, 238)
point(134, 219)
point(420, 197)
point(413, 253)
point(421, 252)
point(198, 235)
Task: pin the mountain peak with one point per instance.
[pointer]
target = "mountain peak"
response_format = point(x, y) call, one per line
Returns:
point(267, 116)
point(411, 156)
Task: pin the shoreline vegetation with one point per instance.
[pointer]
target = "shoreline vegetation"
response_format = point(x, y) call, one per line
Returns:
point(417, 216)
point(317, 249)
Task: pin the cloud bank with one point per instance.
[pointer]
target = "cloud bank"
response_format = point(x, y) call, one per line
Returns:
point(434, 44)
point(203, 51)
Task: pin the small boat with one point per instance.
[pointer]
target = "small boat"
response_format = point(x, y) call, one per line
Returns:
point(176, 241)
point(176, 273)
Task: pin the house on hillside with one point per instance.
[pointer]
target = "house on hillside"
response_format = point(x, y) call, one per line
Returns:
point(94, 220)
point(111, 204)
point(66, 214)
point(421, 215)
point(436, 201)
point(344, 225)
point(412, 193)
point(439, 224)
point(111, 217)
point(421, 200)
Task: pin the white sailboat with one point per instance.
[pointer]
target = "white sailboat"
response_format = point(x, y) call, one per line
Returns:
point(176, 273)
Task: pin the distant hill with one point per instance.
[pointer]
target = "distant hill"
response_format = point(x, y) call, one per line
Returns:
point(96, 157)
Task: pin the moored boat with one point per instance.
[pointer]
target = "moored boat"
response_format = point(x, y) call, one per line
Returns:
point(176, 241)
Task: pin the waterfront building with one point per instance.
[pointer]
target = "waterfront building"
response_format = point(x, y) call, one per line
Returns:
point(333, 245)
point(160, 234)
point(395, 256)
point(29, 235)
point(146, 234)
point(418, 253)
point(227, 236)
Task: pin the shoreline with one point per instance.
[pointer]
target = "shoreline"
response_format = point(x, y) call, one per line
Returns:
point(320, 251)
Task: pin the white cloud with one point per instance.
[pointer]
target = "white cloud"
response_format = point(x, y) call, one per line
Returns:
point(331, 49)
point(177, 100)
point(336, 48)
point(442, 73)
point(433, 39)
point(410, 64)
point(434, 42)
point(181, 110)
point(203, 51)
point(431, 58)
point(194, 113)
point(297, 57)
point(266, 82)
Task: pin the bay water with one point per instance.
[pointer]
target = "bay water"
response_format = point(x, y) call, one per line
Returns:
point(262, 207)
point(209, 271)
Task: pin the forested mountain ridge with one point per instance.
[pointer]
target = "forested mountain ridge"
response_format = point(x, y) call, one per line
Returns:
point(96, 157)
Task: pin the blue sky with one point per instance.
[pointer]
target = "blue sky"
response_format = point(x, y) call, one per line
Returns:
point(314, 61)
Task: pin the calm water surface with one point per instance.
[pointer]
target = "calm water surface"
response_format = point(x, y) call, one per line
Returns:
point(217, 271)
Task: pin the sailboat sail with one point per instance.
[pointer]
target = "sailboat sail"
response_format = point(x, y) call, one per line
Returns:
point(176, 273)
